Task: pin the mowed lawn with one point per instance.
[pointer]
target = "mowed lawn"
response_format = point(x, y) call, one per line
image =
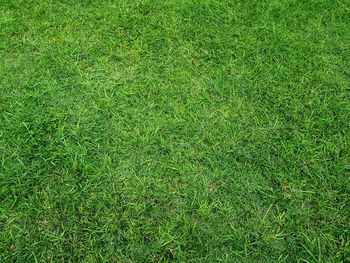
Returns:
point(174, 131)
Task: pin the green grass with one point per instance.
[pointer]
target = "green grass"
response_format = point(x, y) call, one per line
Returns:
point(174, 130)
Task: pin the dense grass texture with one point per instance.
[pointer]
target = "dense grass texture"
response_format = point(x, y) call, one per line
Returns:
point(174, 131)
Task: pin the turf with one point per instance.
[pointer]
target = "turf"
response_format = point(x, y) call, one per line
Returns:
point(176, 130)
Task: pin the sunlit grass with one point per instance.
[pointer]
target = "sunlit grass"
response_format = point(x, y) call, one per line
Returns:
point(185, 131)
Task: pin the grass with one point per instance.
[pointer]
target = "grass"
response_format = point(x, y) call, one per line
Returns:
point(185, 131)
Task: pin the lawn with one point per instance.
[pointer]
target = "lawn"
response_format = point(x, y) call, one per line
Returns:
point(174, 130)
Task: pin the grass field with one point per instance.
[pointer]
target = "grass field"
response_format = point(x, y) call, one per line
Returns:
point(174, 130)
